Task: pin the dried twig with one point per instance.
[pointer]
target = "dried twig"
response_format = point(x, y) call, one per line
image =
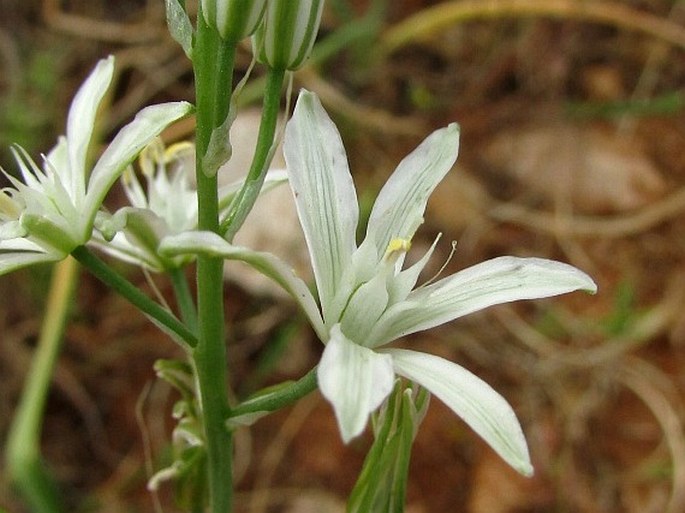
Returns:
point(615, 226)
point(144, 31)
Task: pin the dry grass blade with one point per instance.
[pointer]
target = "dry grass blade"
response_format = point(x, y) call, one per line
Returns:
point(99, 30)
point(614, 226)
point(368, 117)
point(434, 19)
point(635, 374)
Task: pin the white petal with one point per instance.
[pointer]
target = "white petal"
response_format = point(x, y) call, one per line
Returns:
point(364, 308)
point(80, 124)
point(16, 260)
point(130, 140)
point(355, 380)
point(58, 158)
point(120, 248)
point(324, 193)
point(212, 244)
point(405, 281)
point(486, 411)
point(496, 281)
point(400, 205)
point(11, 230)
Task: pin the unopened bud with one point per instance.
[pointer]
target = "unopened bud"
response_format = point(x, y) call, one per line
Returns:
point(234, 19)
point(285, 39)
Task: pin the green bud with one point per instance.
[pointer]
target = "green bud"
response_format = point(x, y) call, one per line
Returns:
point(285, 39)
point(382, 483)
point(49, 231)
point(234, 19)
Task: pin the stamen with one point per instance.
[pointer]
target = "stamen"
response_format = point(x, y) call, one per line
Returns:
point(177, 151)
point(396, 248)
point(150, 157)
point(449, 257)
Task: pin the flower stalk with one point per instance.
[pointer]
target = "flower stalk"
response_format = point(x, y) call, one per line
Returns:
point(244, 201)
point(158, 314)
point(213, 68)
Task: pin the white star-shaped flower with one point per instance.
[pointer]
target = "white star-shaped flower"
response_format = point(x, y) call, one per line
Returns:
point(51, 212)
point(367, 300)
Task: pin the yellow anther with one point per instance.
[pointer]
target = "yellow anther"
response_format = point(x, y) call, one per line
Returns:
point(151, 156)
point(178, 151)
point(397, 247)
point(128, 175)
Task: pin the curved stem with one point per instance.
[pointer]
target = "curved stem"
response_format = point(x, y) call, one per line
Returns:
point(279, 397)
point(162, 317)
point(24, 462)
point(244, 201)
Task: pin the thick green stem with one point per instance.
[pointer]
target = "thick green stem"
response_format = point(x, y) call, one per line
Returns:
point(24, 464)
point(247, 196)
point(158, 314)
point(213, 67)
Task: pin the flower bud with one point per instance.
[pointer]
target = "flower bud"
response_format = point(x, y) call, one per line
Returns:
point(234, 19)
point(285, 39)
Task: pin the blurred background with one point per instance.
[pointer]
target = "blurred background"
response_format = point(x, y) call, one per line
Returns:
point(573, 148)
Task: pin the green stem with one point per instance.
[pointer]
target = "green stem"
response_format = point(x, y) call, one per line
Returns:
point(24, 463)
point(184, 298)
point(247, 196)
point(213, 67)
point(122, 286)
point(279, 397)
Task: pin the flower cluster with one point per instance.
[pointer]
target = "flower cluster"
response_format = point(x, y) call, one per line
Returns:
point(52, 211)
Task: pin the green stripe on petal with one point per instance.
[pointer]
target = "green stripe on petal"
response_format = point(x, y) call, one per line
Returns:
point(496, 281)
point(355, 380)
point(399, 208)
point(324, 194)
point(481, 407)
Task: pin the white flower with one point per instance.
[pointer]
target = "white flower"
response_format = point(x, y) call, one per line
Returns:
point(51, 212)
point(167, 208)
point(367, 300)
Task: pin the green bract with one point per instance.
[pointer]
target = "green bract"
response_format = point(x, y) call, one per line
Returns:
point(367, 300)
point(52, 211)
point(285, 39)
point(234, 19)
